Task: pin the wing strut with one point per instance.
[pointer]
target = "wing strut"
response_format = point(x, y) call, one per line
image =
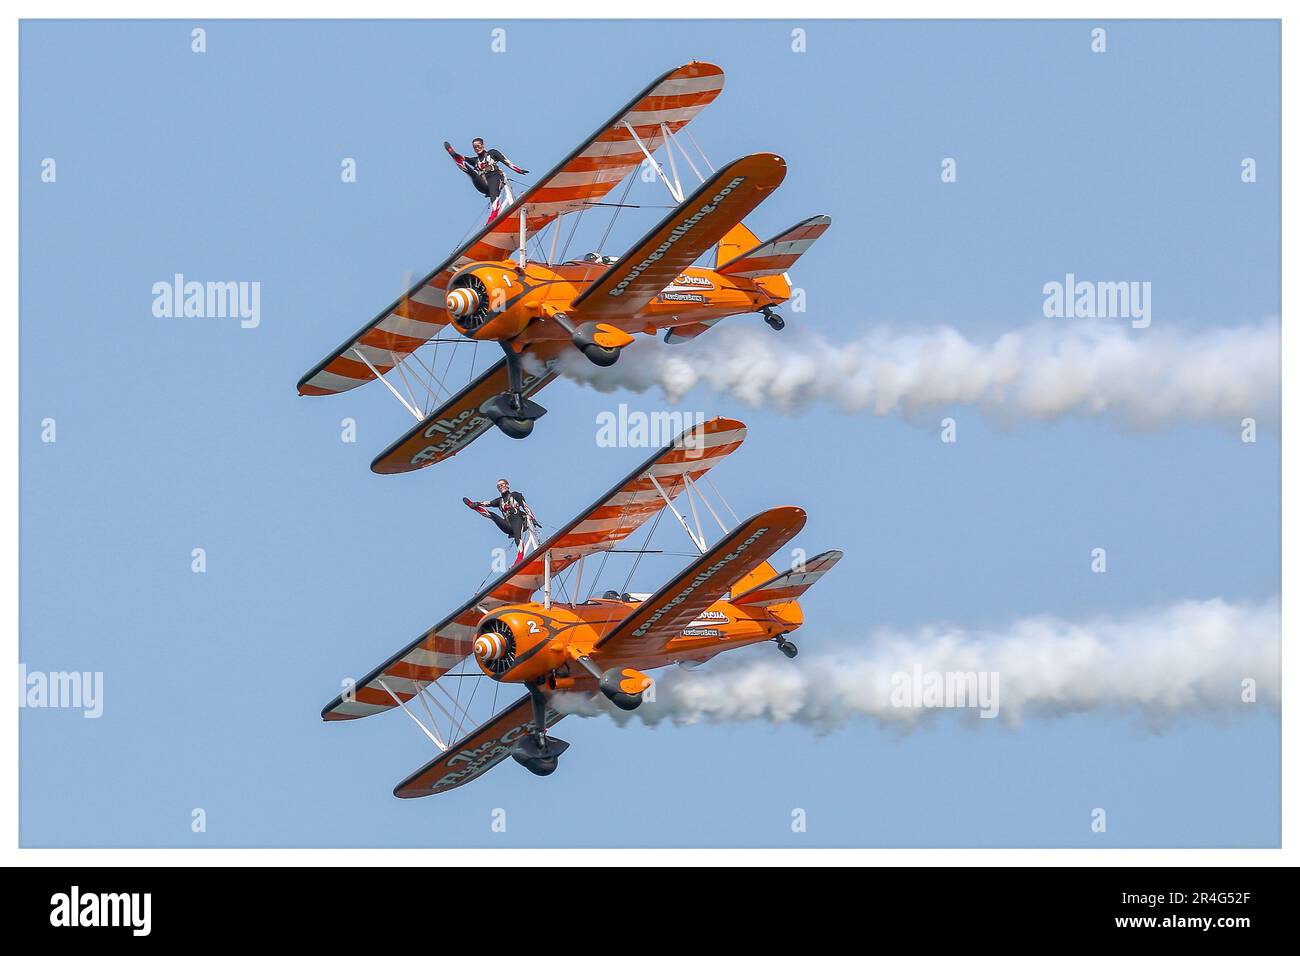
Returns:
point(419, 723)
point(546, 579)
point(388, 385)
point(698, 542)
point(694, 486)
point(523, 237)
point(675, 193)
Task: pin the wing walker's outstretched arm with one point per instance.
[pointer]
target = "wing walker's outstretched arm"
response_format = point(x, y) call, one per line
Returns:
point(500, 157)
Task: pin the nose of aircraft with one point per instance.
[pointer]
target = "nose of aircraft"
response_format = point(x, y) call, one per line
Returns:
point(489, 647)
point(462, 302)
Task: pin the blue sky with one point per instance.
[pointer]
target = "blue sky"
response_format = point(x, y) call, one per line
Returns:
point(182, 433)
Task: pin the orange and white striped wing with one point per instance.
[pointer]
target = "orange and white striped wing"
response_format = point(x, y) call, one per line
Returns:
point(791, 585)
point(777, 255)
point(585, 176)
point(620, 512)
point(402, 676)
point(629, 504)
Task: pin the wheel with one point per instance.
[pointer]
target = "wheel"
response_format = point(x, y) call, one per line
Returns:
point(515, 427)
point(542, 766)
point(775, 321)
point(600, 356)
point(788, 649)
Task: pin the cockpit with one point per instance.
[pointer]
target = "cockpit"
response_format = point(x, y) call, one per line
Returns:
point(594, 259)
point(625, 596)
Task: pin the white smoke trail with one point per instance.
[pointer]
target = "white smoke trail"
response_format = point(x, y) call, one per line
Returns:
point(1187, 659)
point(1147, 378)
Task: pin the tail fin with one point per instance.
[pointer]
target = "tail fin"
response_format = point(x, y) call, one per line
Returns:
point(774, 257)
point(737, 241)
point(791, 585)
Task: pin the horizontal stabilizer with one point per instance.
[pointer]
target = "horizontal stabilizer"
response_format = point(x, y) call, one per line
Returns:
point(684, 333)
point(791, 585)
point(777, 255)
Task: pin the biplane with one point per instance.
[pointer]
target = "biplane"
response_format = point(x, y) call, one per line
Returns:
point(488, 290)
point(730, 596)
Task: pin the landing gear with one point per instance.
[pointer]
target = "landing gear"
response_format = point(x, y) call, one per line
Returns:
point(772, 319)
point(787, 648)
point(538, 752)
point(510, 411)
point(515, 427)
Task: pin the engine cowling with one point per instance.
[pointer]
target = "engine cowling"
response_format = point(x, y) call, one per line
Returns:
point(489, 300)
point(517, 645)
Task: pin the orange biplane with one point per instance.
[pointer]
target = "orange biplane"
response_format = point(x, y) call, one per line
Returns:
point(728, 597)
point(538, 310)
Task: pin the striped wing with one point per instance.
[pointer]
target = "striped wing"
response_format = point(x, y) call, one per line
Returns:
point(791, 585)
point(620, 512)
point(585, 176)
point(630, 503)
point(777, 255)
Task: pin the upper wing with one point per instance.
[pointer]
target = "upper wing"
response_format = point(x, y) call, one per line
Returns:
point(777, 254)
point(451, 427)
point(600, 528)
point(662, 617)
point(682, 236)
point(629, 504)
point(475, 754)
point(586, 175)
point(791, 585)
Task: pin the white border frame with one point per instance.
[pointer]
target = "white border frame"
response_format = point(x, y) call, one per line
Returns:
point(505, 10)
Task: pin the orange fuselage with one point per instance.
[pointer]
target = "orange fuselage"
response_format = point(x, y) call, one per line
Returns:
point(520, 307)
point(546, 642)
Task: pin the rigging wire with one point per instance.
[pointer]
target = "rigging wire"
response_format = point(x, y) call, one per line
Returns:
point(715, 490)
point(564, 253)
point(698, 150)
point(460, 724)
point(614, 218)
point(651, 535)
point(596, 577)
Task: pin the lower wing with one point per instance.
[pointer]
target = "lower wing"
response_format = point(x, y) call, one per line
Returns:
point(476, 753)
point(458, 422)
